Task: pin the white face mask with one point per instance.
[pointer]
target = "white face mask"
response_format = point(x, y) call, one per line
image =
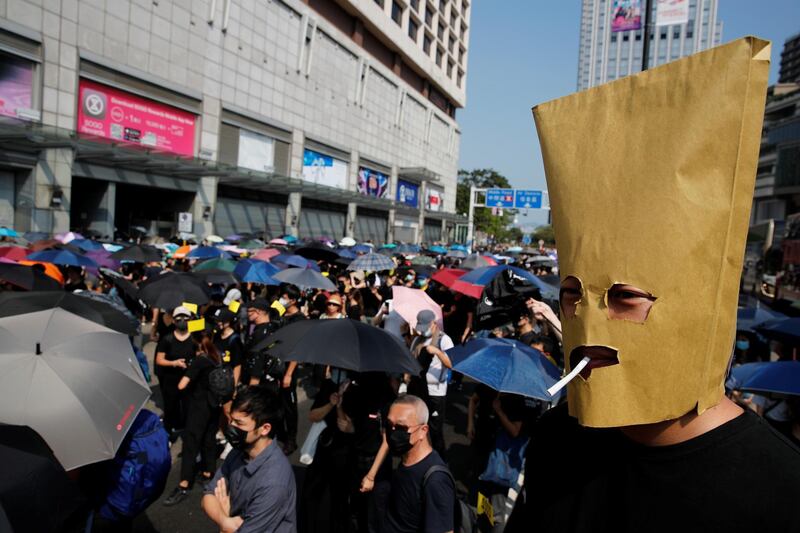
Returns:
point(283, 301)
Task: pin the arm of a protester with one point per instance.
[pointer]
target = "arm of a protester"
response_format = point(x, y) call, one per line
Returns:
point(445, 345)
point(368, 482)
point(324, 402)
point(468, 328)
point(265, 509)
point(287, 377)
point(547, 312)
point(512, 427)
point(439, 500)
point(216, 502)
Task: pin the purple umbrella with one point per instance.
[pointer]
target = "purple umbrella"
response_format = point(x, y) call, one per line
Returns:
point(103, 259)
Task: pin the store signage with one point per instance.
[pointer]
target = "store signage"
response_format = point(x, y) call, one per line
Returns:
point(114, 114)
point(185, 222)
point(256, 151)
point(670, 12)
point(372, 183)
point(626, 15)
point(16, 87)
point(407, 193)
point(500, 198)
point(324, 169)
point(435, 200)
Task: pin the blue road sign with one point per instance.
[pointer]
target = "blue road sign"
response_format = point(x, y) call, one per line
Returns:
point(500, 198)
point(524, 199)
point(526, 239)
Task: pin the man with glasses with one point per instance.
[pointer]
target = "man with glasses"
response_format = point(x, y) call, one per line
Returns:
point(422, 493)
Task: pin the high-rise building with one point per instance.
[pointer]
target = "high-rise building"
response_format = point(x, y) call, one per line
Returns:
point(316, 118)
point(605, 55)
point(790, 60)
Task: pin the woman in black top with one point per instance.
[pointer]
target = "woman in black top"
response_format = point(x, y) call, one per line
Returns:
point(202, 418)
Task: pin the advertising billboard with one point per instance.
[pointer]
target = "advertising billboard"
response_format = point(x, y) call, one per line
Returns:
point(16, 85)
point(408, 193)
point(372, 183)
point(256, 151)
point(669, 12)
point(324, 169)
point(435, 200)
point(626, 15)
point(115, 114)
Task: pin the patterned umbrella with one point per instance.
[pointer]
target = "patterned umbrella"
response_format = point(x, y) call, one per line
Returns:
point(372, 263)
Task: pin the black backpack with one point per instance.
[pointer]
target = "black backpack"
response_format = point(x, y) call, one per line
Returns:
point(465, 518)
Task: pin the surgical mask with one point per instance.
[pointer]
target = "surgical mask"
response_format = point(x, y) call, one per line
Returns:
point(399, 440)
point(283, 301)
point(237, 437)
point(743, 345)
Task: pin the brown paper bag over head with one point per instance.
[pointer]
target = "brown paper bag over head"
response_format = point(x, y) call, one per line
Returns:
point(651, 182)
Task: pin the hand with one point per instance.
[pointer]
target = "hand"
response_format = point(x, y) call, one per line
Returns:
point(231, 524)
point(367, 484)
point(221, 493)
point(497, 406)
point(334, 400)
point(180, 363)
point(286, 381)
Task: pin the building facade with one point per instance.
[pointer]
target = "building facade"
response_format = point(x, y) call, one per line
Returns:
point(790, 60)
point(311, 118)
point(605, 56)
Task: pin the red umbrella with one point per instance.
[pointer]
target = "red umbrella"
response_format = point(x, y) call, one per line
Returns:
point(15, 253)
point(473, 291)
point(447, 276)
point(489, 259)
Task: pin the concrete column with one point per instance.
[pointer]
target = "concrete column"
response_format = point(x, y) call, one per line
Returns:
point(350, 221)
point(204, 206)
point(352, 178)
point(423, 195)
point(443, 236)
point(390, 226)
point(292, 222)
point(53, 190)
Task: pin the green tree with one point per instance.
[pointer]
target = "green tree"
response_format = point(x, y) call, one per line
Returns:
point(544, 233)
point(485, 178)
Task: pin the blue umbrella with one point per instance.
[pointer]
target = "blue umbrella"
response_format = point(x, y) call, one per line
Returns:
point(779, 377)
point(255, 271)
point(346, 254)
point(786, 330)
point(741, 373)
point(389, 245)
point(484, 275)
point(506, 365)
point(87, 244)
point(459, 247)
point(749, 317)
point(438, 249)
point(361, 249)
point(60, 256)
point(291, 260)
point(372, 263)
point(407, 249)
point(207, 252)
point(289, 238)
point(8, 232)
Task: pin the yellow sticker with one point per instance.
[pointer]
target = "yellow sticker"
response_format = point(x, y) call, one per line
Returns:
point(197, 325)
point(234, 306)
point(227, 357)
point(485, 508)
point(326, 274)
point(277, 305)
point(190, 307)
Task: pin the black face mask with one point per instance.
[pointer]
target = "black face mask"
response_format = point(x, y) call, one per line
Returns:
point(237, 437)
point(399, 441)
point(182, 325)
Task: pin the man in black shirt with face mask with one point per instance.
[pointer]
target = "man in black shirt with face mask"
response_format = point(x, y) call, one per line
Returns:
point(416, 504)
point(174, 353)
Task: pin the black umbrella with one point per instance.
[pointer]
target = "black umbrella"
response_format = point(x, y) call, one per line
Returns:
point(35, 491)
point(137, 254)
point(114, 301)
point(305, 278)
point(317, 251)
point(344, 343)
point(18, 303)
point(30, 278)
point(126, 290)
point(169, 290)
point(216, 275)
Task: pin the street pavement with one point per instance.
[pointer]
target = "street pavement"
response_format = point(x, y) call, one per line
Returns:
point(188, 515)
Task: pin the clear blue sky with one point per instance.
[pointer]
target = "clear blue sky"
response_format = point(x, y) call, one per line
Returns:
point(524, 52)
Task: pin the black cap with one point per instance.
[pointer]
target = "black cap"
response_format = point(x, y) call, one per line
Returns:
point(223, 314)
point(259, 303)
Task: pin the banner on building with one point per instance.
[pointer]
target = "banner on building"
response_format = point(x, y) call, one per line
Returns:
point(256, 151)
point(372, 183)
point(626, 15)
point(434, 200)
point(324, 170)
point(408, 193)
point(16, 86)
point(114, 114)
point(669, 12)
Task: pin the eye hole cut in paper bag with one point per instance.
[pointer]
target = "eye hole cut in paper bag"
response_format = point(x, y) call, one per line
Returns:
point(651, 182)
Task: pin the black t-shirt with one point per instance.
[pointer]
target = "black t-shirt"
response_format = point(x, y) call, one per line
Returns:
point(409, 511)
point(197, 372)
point(230, 349)
point(175, 349)
point(739, 477)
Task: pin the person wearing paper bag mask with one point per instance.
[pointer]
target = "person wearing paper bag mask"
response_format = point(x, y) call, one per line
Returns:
point(646, 173)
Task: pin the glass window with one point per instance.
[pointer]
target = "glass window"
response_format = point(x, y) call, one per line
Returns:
point(415, 5)
point(413, 27)
point(397, 13)
point(440, 32)
point(439, 54)
point(426, 44)
point(429, 16)
point(451, 44)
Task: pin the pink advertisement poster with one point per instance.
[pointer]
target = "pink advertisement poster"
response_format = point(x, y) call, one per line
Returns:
point(121, 116)
point(16, 85)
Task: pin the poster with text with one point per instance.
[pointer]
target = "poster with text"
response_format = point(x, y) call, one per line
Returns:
point(256, 151)
point(435, 200)
point(324, 169)
point(407, 193)
point(626, 15)
point(669, 12)
point(16, 85)
point(114, 114)
point(372, 183)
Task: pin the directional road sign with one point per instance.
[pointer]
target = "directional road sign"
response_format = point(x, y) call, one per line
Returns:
point(500, 198)
point(524, 199)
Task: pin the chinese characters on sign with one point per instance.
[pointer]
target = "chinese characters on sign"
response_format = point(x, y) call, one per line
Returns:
point(524, 199)
point(500, 198)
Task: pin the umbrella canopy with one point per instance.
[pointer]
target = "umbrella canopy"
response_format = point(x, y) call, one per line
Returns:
point(472, 283)
point(169, 290)
point(7, 232)
point(62, 257)
point(252, 244)
point(409, 302)
point(786, 330)
point(207, 252)
point(290, 260)
point(448, 276)
point(217, 276)
point(458, 247)
point(234, 237)
point(437, 249)
point(254, 271)
point(27, 277)
point(749, 317)
point(476, 261)
point(514, 250)
point(182, 251)
point(372, 263)
point(19, 303)
point(33, 236)
point(266, 254)
point(780, 378)
point(317, 251)
point(279, 242)
point(304, 278)
point(347, 241)
point(75, 382)
point(87, 244)
point(226, 265)
point(68, 236)
point(138, 254)
point(103, 259)
point(359, 346)
point(216, 239)
point(49, 268)
point(15, 253)
point(362, 248)
point(506, 365)
point(126, 290)
point(456, 254)
point(423, 260)
point(407, 249)
point(346, 254)
point(289, 239)
point(115, 302)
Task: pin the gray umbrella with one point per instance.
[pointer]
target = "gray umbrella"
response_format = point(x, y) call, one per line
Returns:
point(305, 278)
point(474, 261)
point(457, 254)
point(76, 383)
